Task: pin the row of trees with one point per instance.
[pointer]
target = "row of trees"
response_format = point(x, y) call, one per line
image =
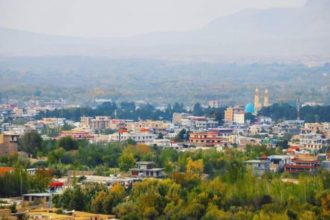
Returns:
point(82, 155)
point(32, 143)
point(93, 198)
point(191, 195)
point(17, 182)
point(289, 112)
point(128, 110)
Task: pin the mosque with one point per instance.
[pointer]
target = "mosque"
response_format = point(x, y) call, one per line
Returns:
point(254, 108)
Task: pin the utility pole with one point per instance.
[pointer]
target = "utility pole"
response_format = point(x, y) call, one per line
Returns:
point(21, 183)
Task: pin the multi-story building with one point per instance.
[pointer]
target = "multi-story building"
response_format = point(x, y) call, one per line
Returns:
point(199, 123)
point(207, 139)
point(178, 117)
point(14, 129)
point(148, 124)
point(53, 122)
point(242, 141)
point(235, 115)
point(214, 103)
point(139, 137)
point(118, 123)
point(318, 128)
point(298, 166)
point(8, 144)
point(222, 131)
point(146, 169)
point(313, 141)
point(77, 134)
point(239, 117)
point(229, 114)
point(314, 136)
point(302, 163)
point(97, 123)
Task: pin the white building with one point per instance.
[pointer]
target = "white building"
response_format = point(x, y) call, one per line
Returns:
point(199, 123)
point(140, 137)
point(313, 141)
point(239, 117)
point(258, 167)
point(277, 162)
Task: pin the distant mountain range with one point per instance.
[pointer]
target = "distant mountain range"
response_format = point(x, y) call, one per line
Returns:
point(284, 33)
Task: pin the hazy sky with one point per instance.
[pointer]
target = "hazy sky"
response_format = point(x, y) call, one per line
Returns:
point(105, 18)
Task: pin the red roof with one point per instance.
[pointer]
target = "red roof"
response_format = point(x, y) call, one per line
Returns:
point(122, 131)
point(56, 184)
point(4, 170)
point(287, 166)
point(144, 130)
point(263, 157)
point(294, 147)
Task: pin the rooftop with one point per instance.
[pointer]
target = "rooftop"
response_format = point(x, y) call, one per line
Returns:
point(38, 194)
point(144, 162)
point(256, 161)
point(4, 170)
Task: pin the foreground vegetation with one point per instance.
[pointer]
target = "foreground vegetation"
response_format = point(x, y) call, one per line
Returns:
point(198, 185)
point(188, 196)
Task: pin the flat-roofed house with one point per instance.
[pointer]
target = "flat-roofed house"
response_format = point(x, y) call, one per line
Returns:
point(146, 169)
point(303, 163)
point(258, 167)
point(277, 162)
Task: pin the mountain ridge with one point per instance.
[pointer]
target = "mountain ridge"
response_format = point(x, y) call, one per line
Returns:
point(287, 32)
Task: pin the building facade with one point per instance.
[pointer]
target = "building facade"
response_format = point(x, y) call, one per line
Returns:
point(207, 139)
point(146, 169)
point(8, 144)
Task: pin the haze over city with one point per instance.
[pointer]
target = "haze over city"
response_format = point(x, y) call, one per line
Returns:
point(111, 18)
point(239, 31)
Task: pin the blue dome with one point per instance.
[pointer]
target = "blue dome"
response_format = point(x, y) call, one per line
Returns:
point(249, 108)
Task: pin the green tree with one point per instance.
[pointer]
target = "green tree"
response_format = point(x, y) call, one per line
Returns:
point(126, 160)
point(97, 203)
point(128, 211)
point(67, 143)
point(31, 142)
point(197, 110)
point(181, 136)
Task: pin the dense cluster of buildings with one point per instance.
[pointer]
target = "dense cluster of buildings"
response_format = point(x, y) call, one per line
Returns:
point(14, 109)
point(290, 163)
point(40, 205)
point(185, 131)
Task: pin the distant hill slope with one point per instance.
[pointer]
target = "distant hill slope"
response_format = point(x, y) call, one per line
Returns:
point(277, 32)
point(82, 78)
